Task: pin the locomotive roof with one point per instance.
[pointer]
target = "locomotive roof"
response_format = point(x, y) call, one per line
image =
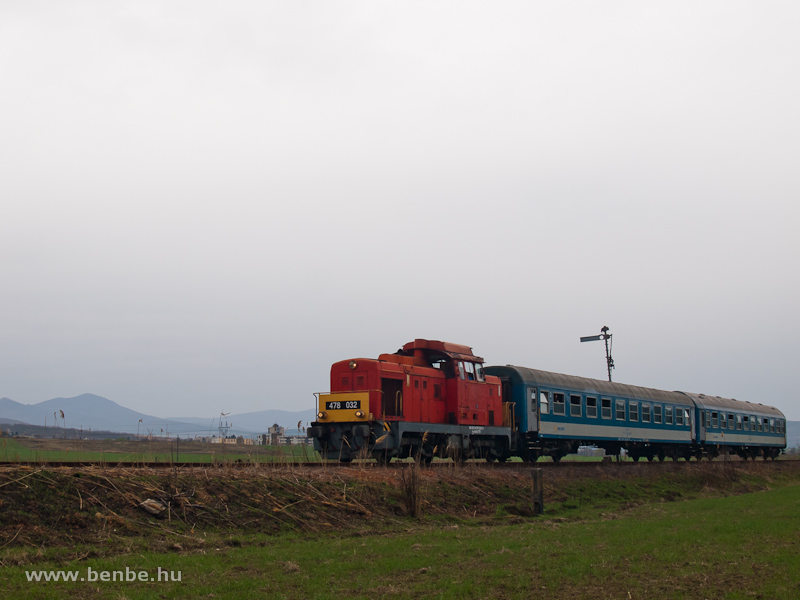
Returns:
point(457, 351)
point(715, 402)
point(593, 386)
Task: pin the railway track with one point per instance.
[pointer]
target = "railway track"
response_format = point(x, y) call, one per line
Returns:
point(564, 465)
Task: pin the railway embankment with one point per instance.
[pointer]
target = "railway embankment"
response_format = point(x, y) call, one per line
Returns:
point(66, 514)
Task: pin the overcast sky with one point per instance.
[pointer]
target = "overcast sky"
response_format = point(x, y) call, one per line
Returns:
point(205, 205)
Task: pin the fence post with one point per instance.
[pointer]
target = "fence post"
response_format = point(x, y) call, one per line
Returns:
point(538, 495)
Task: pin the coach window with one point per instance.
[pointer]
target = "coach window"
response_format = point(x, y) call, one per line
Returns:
point(657, 413)
point(772, 425)
point(668, 415)
point(645, 412)
point(544, 402)
point(723, 421)
point(715, 419)
point(766, 425)
point(731, 421)
point(756, 423)
point(575, 406)
point(633, 411)
point(558, 403)
point(620, 410)
point(679, 416)
point(591, 407)
point(707, 422)
point(745, 422)
point(605, 408)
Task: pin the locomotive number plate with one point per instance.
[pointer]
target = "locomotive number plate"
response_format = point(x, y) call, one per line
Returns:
point(343, 405)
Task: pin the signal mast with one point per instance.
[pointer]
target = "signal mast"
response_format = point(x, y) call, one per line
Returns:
point(604, 335)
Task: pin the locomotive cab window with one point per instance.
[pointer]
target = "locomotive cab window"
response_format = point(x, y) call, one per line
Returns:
point(605, 408)
point(479, 372)
point(591, 407)
point(575, 406)
point(544, 402)
point(461, 369)
point(558, 403)
point(633, 411)
point(470, 369)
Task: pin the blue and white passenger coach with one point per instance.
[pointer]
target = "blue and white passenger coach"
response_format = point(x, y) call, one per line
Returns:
point(736, 427)
point(554, 414)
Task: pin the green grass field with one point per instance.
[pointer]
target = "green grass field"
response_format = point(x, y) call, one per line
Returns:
point(112, 452)
point(604, 538)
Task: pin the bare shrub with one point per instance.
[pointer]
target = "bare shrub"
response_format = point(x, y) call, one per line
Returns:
point(410, 486)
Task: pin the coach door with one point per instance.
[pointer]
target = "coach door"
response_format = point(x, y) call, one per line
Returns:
point(533, 410)
point(701, 430)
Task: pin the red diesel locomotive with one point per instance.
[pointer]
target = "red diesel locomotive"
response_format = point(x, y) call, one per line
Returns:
point(428, 399)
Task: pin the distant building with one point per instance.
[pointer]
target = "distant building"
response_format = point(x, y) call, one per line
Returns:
point(274, 433)
point(231, 439)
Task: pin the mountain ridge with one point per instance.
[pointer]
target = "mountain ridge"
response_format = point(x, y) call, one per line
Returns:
point(93, 412)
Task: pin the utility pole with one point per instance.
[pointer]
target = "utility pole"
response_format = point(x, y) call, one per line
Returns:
point(604, 335)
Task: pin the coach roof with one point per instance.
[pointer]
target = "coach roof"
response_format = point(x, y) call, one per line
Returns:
point(589, 386)
point(728, 404)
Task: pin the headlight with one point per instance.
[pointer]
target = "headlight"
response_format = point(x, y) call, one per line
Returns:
point(353, 364)
point(321, 415)
point(359, 414)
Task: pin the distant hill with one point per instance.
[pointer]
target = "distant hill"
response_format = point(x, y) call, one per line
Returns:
point(90, 412)
point(95, 413)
